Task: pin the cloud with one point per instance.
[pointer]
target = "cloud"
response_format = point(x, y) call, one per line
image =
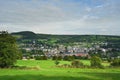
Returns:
point(26, 14)
point(61, 16)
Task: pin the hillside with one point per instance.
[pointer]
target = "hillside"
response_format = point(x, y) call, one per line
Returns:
point(26, 35)
point(103, 45)
point(113, 41)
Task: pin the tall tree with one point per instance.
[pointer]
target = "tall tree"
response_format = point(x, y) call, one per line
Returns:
point(8, 50)
point(96, 61)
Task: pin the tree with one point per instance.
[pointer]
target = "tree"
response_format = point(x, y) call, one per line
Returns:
point(115, 62)
point(54, 58)
point(68, 58)
point(96, 61)
point(44, 57)
point(8, 50)
point(59, 58)
point(77, 64)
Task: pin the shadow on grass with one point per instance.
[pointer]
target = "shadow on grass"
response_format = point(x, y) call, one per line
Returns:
point(40, 77)
point(85, 76)
point(102, 76)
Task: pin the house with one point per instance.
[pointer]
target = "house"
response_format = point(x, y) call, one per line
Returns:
point(82, 54)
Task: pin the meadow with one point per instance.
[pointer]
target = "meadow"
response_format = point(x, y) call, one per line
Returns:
point(47, 70)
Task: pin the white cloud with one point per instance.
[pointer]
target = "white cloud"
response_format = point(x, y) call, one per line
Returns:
point(88, 9)
point(61, 16)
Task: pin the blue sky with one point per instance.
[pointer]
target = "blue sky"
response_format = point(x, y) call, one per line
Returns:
point(61, 16)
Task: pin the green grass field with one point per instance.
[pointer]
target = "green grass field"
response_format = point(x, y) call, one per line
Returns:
point(48, 71)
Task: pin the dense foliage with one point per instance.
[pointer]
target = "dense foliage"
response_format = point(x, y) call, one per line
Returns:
point(115, 62)
point(77, 64)
point(96, 61)
point(8, 50)
point(28, 37)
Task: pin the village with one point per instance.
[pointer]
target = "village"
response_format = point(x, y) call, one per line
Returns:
point(61, 50)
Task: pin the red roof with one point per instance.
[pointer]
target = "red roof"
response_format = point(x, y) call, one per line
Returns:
point(81, 54)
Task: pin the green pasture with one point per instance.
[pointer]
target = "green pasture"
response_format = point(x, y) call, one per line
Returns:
point(48, 71)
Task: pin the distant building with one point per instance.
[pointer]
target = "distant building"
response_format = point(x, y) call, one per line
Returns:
point(82, 54)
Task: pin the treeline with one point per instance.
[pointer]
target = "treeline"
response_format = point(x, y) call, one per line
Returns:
point(28, 37)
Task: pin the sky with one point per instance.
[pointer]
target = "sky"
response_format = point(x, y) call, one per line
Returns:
point(61, 16)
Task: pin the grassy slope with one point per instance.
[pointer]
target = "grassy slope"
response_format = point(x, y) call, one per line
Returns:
point(49, 72)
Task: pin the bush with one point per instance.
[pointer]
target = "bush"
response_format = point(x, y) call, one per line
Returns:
point(41, 57)
point(44, 57)
point(37, 58)
point(68, 58)
point(77, 64)
point(96, 61)
point(54, 58)
point(115, 62)
point(64, 66)
point(57, 62)
point(59, 58)
point(25, 67)
point(71, 58)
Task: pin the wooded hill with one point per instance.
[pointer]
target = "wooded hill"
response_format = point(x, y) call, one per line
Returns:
point(28, 36)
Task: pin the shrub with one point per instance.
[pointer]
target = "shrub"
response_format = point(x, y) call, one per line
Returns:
point(68, 58)
point(71, 58)
point(59, 58)
point(44, 57)
point(41, 57)
point(96, 61)
point(54, 58)
point(57, 62)
point(37, 58)
point(77, 64)
point(64, 66)
point(115, 62)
